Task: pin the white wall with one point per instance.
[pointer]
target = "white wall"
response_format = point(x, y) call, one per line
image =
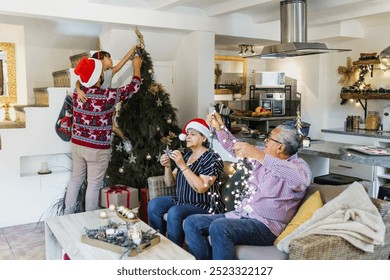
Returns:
point(40, 51)
point(205, 54)
point(194, 75)
point(26, 196)
point(23, 150)
point(186, 78)
point(317, 80)
point(190, 58)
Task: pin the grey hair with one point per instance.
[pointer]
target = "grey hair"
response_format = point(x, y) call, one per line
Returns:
point(290, 137)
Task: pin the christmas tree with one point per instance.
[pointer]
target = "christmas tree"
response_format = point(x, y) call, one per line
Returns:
point(149, 121)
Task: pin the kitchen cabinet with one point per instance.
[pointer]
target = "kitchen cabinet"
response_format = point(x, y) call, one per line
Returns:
point(374, 169)
point(382, 173)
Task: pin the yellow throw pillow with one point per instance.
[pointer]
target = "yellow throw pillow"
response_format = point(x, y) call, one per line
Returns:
point(304, 213)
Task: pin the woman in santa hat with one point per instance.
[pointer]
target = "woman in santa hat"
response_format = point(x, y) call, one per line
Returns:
point(198, 179)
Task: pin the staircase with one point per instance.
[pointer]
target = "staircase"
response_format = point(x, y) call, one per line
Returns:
point(61, 78)
point(30, 143)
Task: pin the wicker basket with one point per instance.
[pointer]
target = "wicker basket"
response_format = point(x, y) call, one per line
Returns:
point(157, 187)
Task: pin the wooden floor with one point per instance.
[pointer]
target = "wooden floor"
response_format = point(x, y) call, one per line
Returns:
point(23, 242)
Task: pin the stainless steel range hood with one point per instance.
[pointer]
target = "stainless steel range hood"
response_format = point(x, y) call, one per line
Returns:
point(293, 33)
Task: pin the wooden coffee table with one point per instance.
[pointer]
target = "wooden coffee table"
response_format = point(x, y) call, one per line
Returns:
point(63, 235)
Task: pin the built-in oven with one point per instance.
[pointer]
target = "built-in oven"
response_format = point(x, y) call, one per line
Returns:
point(275, 102)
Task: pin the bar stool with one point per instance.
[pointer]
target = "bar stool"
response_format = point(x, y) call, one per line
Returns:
point(384, 192)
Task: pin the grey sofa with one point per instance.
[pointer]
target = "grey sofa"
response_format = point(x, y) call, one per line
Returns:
point(321, 247)
point(313, 247)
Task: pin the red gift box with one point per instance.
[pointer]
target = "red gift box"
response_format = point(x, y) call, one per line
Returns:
point(143, 208)
point(119, 195)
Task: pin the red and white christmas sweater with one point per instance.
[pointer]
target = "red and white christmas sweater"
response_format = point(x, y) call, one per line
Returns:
point(92, 120)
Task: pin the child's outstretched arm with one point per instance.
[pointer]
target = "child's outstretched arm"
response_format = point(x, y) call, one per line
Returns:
point(119, 66)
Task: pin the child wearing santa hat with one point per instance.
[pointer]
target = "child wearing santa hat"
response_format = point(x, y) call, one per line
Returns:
point(109, 72)
point(92, 129)
point(197, 176)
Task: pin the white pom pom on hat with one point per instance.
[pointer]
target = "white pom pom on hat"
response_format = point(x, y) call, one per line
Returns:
point(197, 124)
point(89, 71)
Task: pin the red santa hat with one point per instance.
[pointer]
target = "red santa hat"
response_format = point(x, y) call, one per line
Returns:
point(197, 124)
point(89, 71)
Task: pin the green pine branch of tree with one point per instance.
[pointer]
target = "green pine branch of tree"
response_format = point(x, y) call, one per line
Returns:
point(149, 121)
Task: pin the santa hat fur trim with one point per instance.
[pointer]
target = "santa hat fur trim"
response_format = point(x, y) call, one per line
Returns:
point(197, 124)
point(89, 71)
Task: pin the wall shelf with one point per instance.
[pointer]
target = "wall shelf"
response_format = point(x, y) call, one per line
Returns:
point(363, 96)
point(223, 91)
point(350, 95)
point(57, 163)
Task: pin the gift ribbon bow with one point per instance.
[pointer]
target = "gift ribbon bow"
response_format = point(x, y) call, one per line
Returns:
point(118, 189)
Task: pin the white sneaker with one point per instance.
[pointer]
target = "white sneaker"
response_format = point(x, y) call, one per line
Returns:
point(127, 145)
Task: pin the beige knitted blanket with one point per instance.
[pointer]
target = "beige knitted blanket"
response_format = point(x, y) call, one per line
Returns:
point(351, 215)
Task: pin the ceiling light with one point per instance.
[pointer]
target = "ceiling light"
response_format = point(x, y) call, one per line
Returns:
point(244, 48)
point(241, 50)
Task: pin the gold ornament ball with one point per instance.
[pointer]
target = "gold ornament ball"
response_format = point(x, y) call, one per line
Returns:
point(148, 157)
point(158, 128)
point(150, 71)
point(169, 121)
point(121, 170)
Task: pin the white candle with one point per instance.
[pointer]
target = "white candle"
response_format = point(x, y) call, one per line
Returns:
point(306, 143)
point(44, 167)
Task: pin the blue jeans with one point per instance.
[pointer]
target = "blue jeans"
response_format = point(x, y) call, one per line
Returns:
point(158, 206)
point(224, 233)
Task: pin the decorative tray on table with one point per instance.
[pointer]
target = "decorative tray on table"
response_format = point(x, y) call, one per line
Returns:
point(116, 238)
point(130, 220)
point(370, 150)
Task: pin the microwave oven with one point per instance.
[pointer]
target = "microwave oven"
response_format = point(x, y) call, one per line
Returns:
point(269, 79)
point(274, 102)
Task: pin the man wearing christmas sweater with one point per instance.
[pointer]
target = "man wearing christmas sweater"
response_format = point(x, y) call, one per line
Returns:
point(92, 128)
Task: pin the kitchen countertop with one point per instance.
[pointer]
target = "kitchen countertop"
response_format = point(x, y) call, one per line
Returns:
point(331, 150)
point(359, 132)
point(339, 151)
point(260, 119)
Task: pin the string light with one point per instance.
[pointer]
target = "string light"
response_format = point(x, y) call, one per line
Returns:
point(243, 189)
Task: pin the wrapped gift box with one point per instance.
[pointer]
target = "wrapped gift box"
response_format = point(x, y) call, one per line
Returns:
point(157, 187)
point(119, 195)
